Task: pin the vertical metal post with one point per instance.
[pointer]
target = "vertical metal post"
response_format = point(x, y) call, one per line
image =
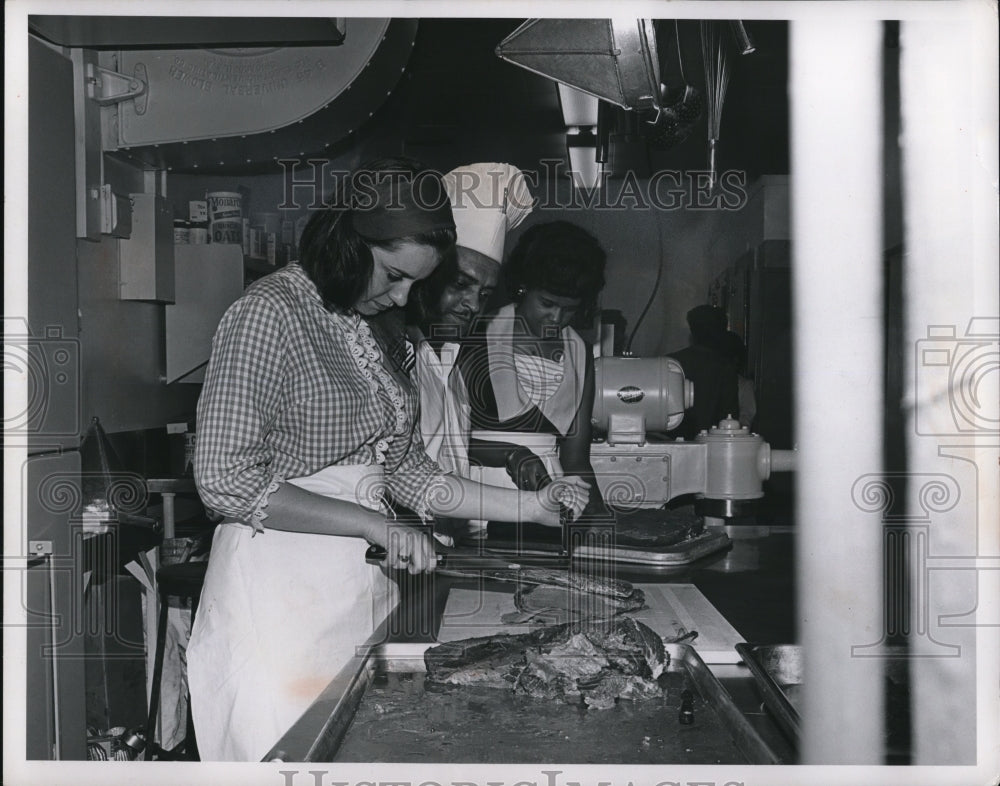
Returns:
point(57, 751)
point(89, 159)
point(836, 165)
point(949, 120)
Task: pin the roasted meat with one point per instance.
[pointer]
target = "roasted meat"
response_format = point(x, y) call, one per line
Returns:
point(593, 662)
point(580, 581)
point(658, 528)
point(554, 605)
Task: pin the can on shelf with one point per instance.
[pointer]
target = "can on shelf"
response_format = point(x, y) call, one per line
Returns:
point(182, 232)
point(225, 216)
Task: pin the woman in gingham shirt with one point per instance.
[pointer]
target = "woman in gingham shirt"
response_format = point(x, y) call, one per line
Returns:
point(301, 432)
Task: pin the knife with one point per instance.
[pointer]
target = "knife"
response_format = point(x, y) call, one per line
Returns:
point(376, 555)
point(472, 565)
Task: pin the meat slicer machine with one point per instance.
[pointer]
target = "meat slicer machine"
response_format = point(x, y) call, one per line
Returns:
point(724, 467)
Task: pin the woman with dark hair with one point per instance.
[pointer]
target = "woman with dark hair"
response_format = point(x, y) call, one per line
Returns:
point(302, 434)
point(529, 374)
point(561, 259)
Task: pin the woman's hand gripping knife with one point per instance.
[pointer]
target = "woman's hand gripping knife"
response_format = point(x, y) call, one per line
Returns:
point(401, 547)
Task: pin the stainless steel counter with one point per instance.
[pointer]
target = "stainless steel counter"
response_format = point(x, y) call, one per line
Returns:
point(751, 584)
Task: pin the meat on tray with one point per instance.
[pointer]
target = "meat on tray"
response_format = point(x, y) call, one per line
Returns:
point(596, 662)
point(658, 528)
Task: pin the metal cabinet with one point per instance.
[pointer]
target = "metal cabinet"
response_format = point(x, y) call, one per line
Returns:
point(755, 291)
point(146, 258)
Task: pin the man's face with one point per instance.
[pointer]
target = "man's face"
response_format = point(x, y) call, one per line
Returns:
point(464, 298)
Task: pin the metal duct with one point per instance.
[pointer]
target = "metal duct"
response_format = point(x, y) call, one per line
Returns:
point(226, 110)
point(120, 32)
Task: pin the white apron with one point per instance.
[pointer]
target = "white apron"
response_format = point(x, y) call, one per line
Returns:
point(444, 408)
point(517, 385)
point(444, 414)
point(544, 446)
point(512, 392)
point(280, 614)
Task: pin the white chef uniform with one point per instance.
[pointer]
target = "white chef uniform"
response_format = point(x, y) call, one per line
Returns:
point(444, 407)
point(487, 200)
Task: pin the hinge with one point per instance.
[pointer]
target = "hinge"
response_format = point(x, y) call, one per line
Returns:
point(108, 87)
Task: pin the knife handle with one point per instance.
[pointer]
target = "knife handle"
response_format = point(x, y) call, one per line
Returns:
point(376, 555)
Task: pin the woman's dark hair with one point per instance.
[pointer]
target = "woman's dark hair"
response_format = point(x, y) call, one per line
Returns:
point(425, 297)
point(337, 258)
point(561, 258)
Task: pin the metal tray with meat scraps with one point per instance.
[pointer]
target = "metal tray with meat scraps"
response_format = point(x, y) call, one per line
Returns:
point(378, 709)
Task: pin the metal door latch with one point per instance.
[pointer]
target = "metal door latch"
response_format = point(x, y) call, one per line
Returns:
point(108, 87)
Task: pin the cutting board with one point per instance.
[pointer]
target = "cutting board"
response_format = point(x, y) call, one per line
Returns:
point(670, 608)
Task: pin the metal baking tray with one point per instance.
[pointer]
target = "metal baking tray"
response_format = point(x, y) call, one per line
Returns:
point(318, 734)
point(683, 553)
point(777, 671)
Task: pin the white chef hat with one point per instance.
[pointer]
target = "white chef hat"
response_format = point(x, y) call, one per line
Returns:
point(487, 201)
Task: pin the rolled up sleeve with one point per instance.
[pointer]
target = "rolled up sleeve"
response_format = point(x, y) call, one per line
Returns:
point(239, 401)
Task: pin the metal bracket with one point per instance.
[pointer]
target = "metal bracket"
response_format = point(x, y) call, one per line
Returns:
point(106, 87)
point(116, 213)
point(40, 548)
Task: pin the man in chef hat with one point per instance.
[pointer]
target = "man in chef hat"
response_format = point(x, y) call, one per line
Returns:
point(488, 200)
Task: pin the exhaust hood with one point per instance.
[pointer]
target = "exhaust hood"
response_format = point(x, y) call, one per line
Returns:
point(637, 65)
point(612, 59)
point(122, 32)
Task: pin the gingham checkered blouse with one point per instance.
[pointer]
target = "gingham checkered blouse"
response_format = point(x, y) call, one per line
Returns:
point(292, 388)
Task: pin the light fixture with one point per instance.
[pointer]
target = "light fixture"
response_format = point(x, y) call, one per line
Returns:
point(585, 170)
point(580, 113)
point(579, 109)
